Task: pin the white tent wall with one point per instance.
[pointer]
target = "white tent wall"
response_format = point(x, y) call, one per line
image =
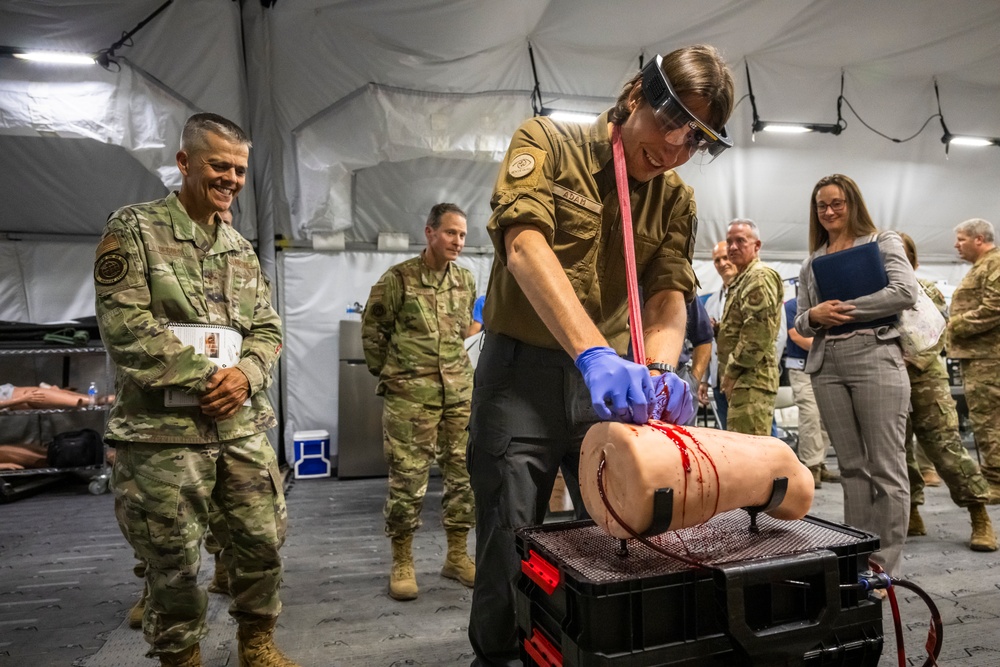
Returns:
point(380, 125)
point(46, 281)
point(416, 185)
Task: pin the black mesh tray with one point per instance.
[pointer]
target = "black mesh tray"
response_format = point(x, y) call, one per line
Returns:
point(770, 597)
point(592, 554)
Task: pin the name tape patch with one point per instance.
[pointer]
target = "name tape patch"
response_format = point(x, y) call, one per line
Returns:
point(577, 198)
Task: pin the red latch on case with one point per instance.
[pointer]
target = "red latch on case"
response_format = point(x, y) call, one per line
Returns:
point(542, 651)
point(541, 572)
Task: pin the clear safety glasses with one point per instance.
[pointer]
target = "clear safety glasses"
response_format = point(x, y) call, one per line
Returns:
point(672, 115)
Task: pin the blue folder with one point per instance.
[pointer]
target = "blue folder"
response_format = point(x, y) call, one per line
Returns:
point(849, 274)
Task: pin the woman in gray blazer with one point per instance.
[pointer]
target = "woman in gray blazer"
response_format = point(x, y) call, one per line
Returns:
point(858, 376)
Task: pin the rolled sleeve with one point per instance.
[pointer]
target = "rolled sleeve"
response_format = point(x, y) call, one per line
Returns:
point(670, 266)
point(523, 195)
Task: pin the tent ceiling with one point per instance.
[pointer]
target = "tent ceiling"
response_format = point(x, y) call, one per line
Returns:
point(304, 57)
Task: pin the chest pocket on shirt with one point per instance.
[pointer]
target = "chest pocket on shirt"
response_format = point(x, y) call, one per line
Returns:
point(418, 312)
point(575, 239)
point(242, 298)
point(185, 272)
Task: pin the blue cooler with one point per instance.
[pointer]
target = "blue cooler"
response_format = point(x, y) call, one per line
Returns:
point(311, 450)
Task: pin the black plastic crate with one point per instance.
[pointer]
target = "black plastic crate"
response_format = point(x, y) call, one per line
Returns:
point(771, 597)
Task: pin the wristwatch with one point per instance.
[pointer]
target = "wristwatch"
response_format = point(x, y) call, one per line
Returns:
point(662, 367)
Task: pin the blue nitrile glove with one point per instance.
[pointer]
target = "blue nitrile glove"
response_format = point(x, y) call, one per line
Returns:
point(672, 400)
point(619, 390)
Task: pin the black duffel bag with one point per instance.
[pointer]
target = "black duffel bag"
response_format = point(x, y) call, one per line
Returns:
point(76, 449)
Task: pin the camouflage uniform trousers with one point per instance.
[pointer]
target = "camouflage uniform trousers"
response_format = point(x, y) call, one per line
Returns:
point(213, 545)
point(751, 411)
point(981, 378)
point(415, 435)
point(163, 501)
point(934, 420)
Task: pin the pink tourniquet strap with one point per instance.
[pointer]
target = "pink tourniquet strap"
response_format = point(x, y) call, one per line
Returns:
point(632, 282)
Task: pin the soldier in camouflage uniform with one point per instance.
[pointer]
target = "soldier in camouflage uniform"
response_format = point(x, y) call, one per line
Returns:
point(165, 263)
point(974, 337)
point(413, 327)
point(748, 365)
point(934, 420)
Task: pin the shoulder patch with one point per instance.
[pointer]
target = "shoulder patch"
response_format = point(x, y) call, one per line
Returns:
point(110, 269)
point(378, 311)
point(524, 167)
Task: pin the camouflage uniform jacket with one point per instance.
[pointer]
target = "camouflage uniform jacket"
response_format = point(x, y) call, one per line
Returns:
point(749, 327)
point(149, 272)
point(413, 331)
point(930, 364)
point(974, 326)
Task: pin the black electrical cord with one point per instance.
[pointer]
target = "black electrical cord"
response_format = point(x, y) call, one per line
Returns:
point(842, 100)
point(536, 92)
point(106, 57)
point(886, 136)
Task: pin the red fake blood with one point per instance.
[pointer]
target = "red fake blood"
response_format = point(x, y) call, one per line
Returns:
point(708, 459)
point(667, 430)
point(674, 432)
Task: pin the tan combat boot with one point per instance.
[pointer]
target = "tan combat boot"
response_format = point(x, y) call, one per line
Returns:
point(256, 645)
point(189, 657)
point(457, 564)
point(983, 537)
point(817, 473)
point(137, 610)
point(403, 578)
point(828, 475)
point(220, 580)
point(916, 526)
